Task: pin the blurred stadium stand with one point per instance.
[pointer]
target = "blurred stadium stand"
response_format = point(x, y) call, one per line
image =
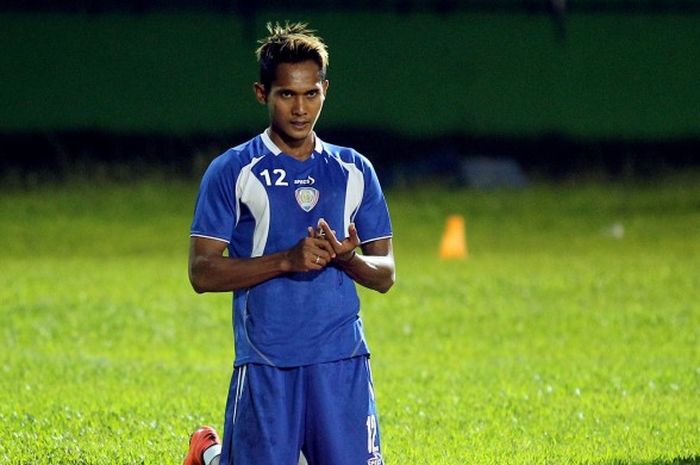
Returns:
point(163, 85)
point(399, 6)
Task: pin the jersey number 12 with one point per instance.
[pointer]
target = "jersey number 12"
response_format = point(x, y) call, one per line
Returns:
point(280, 173)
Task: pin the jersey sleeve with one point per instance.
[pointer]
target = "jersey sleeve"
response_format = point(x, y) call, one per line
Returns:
point(372, 218)
point(215, 208)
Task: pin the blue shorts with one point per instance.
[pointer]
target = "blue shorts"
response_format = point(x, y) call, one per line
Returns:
point(327, 411)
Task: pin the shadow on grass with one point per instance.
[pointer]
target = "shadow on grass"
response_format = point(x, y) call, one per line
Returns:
point(695, 460)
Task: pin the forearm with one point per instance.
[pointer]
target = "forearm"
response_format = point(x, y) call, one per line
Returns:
point(372, 271)
point(222, 274)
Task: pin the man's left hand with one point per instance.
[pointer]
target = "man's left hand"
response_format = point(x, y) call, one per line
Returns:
point(345, 249)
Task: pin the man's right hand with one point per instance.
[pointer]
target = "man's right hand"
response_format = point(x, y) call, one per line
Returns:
point(312, 253)
point(211, 271)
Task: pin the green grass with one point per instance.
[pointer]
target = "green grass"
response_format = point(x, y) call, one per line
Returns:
point(554, 343)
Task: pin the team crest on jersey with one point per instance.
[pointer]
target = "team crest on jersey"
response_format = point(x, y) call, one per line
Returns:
point(307, 198)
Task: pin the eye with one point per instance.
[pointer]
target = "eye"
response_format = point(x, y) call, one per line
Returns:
point(312, 93)
point(285, 94)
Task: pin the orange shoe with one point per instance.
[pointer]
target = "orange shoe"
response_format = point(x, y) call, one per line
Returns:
point(200, 441)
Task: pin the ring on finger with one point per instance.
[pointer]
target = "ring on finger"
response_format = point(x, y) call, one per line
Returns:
point(317, 258)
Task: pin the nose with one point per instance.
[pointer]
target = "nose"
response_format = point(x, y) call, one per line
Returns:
point(299, 107)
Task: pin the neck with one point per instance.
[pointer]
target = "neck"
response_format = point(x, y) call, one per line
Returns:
point(298, 149)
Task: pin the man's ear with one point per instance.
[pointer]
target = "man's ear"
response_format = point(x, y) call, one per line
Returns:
point(325, 87)
point(260, 93)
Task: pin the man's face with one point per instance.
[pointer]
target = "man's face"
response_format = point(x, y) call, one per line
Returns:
point(294, 100)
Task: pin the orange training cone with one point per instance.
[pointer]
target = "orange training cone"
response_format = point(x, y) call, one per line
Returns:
point(454, 239)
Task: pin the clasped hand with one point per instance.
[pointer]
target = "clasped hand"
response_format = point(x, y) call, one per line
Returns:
point(322, 247)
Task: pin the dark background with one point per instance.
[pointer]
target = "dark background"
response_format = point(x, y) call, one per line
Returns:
point(605, 88)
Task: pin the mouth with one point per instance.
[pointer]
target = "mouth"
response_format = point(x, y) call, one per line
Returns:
point(299, 124)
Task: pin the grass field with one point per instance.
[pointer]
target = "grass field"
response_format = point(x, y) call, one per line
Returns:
point(571, 335)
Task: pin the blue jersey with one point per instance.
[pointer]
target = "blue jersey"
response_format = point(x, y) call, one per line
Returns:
point(261, 201)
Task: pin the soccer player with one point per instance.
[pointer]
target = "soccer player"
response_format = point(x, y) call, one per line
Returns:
point(290, 210)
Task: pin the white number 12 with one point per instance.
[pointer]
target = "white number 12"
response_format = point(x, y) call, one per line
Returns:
point(372, 434)
point(280, 173)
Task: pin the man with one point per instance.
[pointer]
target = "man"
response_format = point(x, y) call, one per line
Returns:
point(291, 210)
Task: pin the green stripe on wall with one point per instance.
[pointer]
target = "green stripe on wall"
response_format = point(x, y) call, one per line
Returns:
point(420, 74)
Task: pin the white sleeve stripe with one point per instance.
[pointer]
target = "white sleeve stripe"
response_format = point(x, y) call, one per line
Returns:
point(210, 237)
point(251, 192)
point(354, 191)
point(377, 238)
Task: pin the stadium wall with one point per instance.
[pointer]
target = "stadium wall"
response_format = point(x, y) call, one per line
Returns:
point(466, 75)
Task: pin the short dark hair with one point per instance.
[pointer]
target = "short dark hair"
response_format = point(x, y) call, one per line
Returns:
point(291, 43)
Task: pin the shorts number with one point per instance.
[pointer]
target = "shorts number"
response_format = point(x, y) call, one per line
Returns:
point(372, 434)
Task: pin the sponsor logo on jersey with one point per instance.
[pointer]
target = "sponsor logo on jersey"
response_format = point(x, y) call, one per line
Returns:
point(309, 181)
point(307, 198)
